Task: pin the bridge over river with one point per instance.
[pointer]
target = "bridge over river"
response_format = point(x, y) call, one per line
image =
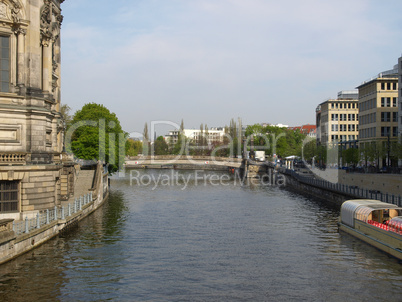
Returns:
point(168, 161)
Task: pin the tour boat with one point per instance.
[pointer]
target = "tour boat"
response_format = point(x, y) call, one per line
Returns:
point(375, 222)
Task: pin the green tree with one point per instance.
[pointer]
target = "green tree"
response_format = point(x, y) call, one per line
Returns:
point(133, 147)
point(179, 146)
point(310, 150)
point(145, 140)
point(96, 134)
point(351, 156)
point(160, 146)
point(65, 113)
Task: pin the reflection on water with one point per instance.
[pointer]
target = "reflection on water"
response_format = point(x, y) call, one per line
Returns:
point(207, 242)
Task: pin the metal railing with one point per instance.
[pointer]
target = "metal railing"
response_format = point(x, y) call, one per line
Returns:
point(48, 216)
point(353, 191)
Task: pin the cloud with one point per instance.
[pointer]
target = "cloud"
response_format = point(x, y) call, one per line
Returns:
point(207, 61)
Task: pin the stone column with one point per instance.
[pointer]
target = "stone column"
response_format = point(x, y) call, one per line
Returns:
point(47, 65)
point(21, 57)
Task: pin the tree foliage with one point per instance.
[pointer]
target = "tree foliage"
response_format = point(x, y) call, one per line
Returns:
point(133, 147)
point(98, 135)
point(275, 140)
point(160, 146)
point(65, 113)
point(351, 156)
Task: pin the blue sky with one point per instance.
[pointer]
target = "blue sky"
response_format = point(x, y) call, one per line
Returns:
point(207, 61)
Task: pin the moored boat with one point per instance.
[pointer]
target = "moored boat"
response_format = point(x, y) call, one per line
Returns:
point(375, 222)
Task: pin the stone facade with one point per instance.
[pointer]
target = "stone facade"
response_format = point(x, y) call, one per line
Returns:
point(32, 172)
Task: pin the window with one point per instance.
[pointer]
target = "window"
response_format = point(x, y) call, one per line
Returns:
point(385, 116)
point(8, 196)
point(393, 102)
point(382, 102)
point(388, 86)
point(382, 86)
point(5, 64)
point(395, 116)
point(394, 131)
point(394, 86)
point(385, 131)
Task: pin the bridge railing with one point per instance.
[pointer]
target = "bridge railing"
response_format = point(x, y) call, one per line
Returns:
point(50, 215)
point(184, 157)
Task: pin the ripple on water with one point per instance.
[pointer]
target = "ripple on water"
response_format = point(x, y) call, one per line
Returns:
point(205, 243)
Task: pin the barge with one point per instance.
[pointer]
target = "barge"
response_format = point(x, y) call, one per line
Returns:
point(375, 222)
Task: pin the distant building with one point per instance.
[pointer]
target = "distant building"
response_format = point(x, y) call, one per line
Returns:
point(308, 130)
point(212, 135)
point(275, 125)
point(378, 111)
point(337, 119)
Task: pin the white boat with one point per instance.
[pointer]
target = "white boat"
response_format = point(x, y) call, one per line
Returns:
point(375, 222)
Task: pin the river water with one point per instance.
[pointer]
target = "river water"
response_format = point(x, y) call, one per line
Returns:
point(203, 240)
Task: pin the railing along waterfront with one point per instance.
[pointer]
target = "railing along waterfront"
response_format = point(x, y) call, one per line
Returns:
point(48, 216)
point(353, 191)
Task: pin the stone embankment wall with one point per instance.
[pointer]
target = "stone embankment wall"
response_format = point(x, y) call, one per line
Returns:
point(12, 244)
point(337, 193)
point(386, 183)
point(328, 195)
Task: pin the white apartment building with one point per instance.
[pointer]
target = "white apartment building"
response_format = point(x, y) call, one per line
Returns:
point(212, 135)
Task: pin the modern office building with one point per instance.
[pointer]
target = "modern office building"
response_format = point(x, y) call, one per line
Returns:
point(337, 120)
point(378, 113)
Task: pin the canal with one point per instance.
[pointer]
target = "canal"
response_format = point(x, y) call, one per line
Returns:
point(165, 235)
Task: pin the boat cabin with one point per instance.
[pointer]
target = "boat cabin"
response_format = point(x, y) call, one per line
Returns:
point(379, 214)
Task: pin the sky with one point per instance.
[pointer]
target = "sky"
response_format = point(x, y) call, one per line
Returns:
point(208, 61)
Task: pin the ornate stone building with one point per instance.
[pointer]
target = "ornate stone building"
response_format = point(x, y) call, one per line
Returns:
point(32, 174)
